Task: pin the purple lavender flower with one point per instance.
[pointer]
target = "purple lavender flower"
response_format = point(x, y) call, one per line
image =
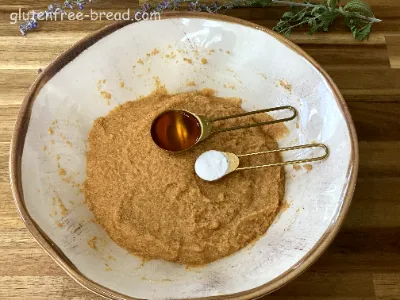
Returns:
point(192, 6)
point(213, 8)
point(163, 5)
point(22, 29)
point(146, 7)
point(33, 23)
point(80, 4)
point(67, 4)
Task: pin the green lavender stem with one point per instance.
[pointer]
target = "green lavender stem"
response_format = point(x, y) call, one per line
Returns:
point(368, 19)
point(310, 5)
point(290, 3)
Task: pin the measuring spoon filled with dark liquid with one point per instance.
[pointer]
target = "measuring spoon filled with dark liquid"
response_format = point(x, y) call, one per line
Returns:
point(179, 130)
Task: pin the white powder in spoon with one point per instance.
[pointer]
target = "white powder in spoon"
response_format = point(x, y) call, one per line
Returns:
point(211, 165)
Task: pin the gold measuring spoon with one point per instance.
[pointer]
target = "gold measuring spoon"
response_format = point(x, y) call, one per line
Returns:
point(213, 165)
point(179, 130)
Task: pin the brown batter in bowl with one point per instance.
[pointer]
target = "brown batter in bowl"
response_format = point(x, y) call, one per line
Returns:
point(151, 202)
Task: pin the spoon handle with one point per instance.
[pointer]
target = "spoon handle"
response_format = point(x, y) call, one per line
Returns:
point(325, 155)
point(291, 108)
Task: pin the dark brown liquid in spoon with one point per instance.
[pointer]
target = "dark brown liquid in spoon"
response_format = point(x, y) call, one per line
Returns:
point(175, 130)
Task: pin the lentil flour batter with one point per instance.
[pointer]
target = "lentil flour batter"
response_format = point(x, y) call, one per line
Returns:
point(152, 203)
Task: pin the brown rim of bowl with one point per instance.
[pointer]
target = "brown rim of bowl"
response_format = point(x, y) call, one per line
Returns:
point(22, 123)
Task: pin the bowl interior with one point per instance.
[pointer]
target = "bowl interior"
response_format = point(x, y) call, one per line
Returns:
point(241, 61)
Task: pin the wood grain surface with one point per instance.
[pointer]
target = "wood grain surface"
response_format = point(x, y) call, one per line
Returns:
point(363, 262)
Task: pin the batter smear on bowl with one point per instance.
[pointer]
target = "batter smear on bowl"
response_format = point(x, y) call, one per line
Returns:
point(153, 204)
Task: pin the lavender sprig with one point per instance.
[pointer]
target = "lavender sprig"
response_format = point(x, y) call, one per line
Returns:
point(357, 14)
point(51, 11)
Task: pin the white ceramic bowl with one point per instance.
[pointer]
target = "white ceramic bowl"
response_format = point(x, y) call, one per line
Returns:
point(249, 62)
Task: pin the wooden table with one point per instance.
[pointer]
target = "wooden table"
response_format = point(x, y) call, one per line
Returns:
point(364, 260)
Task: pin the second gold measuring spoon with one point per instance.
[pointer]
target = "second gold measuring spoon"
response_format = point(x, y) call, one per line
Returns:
point(213, 165)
